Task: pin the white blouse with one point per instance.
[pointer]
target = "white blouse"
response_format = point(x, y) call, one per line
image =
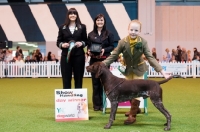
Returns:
point(72, 29)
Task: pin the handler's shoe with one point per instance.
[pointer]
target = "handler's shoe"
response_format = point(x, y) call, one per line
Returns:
point(127, 113)
point(137, 104)
point(133, 112)
point(138, 112)
point(130, 120)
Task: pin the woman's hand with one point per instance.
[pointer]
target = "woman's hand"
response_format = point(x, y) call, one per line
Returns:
point(102, 52)
point(165, 74)
point(65, 45)
point(78, 44)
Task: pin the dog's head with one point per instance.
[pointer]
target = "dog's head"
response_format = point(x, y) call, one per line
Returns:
point(82, 106)
point(96, 68)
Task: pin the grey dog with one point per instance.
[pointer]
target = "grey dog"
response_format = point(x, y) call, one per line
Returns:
point(120, 90)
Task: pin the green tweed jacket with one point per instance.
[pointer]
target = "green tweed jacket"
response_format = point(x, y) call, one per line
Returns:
point(134, 62)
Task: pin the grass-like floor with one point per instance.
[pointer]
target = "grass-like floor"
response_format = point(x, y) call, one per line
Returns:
point(27, 105)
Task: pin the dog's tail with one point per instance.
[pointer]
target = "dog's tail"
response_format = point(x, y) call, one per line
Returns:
point(166, 80)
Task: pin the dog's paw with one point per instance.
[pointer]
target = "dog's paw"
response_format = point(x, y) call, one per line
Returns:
point(107, 126)
point(167, 128)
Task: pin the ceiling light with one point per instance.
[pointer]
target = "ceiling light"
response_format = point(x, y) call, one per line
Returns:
point(22, 43)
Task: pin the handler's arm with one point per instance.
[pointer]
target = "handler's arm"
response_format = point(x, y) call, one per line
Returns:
point(114, 55)
point(153, 62)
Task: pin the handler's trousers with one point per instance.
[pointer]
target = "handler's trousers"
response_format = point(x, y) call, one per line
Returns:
point(134, 103)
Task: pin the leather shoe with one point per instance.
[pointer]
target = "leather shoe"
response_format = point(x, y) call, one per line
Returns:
point(96, 109)
point(127, 113)
point(129, 121)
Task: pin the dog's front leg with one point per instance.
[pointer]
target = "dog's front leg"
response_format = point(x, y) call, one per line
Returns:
point(114, 106)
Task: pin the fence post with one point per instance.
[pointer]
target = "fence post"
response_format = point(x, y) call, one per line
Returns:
point(104, 102)
point(194, 69)
point(145, 100)
point(1, 69)
point(48, 68)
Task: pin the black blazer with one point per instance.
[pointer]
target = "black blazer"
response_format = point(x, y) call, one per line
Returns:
point(64, 36)
point(106, 39)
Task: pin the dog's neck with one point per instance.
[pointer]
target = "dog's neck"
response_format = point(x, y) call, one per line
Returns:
point(108, 76)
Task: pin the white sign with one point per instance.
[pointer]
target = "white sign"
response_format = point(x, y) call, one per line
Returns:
point(173, 67)
point(117, 73)
point(177, 68)
point(71, 104)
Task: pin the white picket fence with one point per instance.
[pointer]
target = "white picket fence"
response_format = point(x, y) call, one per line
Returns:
point(52, 69)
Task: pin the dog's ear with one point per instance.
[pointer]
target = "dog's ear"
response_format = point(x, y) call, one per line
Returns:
point(99, 72)
point(87, 68)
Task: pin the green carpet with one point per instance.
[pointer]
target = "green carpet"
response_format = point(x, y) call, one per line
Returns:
point(27, 105)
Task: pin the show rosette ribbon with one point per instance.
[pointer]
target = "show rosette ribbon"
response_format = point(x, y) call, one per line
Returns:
point(71, 46)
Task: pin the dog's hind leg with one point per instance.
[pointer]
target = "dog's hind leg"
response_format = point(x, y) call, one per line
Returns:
point(159, 105)
point(114, 106)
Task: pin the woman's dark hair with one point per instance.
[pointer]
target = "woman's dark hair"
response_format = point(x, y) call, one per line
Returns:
point(20, 51)
point(95, 25)
point(17, 47)
point(49, 56)
point(72, 11)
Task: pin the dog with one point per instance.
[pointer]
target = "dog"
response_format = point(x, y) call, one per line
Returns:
point(120, 90)
point(82, 110)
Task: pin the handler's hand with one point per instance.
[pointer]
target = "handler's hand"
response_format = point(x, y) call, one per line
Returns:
point(78, 44)
point(65, 45)
point(102, 52)
point(165, 74)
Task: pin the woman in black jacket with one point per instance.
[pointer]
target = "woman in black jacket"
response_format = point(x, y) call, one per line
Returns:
point(99, 35)
point(49, 56)
point(196, 53)
point(73, 55)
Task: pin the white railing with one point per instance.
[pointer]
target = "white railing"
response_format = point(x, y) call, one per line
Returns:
point(52, 69)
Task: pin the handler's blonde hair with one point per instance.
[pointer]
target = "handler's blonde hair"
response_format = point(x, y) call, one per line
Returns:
point(135, 21)
point(167, 50)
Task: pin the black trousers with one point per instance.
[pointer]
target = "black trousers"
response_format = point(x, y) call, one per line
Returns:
point(97, 95)
point(76, 65)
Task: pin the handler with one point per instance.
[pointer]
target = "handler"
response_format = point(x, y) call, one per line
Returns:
point(133, 47)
